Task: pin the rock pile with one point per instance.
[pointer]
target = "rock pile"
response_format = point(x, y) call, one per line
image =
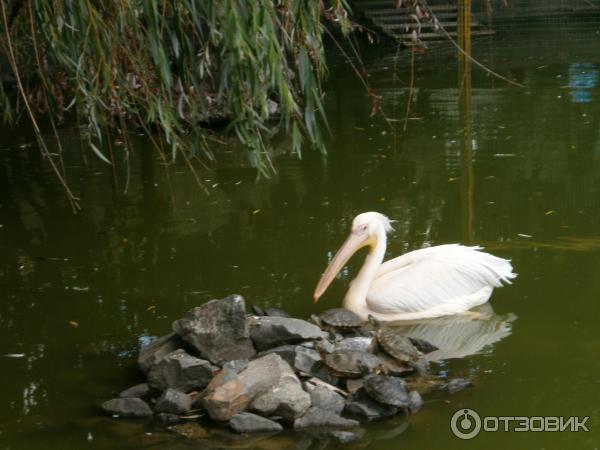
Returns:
point(267, 372)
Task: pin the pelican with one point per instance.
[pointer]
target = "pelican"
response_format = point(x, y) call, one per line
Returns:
point(426, 283)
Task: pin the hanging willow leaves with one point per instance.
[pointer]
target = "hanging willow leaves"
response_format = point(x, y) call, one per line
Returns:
point(172, 65)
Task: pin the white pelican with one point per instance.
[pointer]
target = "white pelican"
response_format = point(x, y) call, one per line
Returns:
point(431, 282)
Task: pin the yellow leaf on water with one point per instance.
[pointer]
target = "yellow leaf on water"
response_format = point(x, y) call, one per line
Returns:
point(452, 179)
point(547, 213)
point(73, 323)
point(151, 308)
point(256, 211)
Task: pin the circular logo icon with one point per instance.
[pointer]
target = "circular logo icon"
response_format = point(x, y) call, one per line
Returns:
point(465, 424)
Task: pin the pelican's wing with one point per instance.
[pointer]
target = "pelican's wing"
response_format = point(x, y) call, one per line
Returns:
point(427, 278)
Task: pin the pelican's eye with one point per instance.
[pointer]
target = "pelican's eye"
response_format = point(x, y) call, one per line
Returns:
point(364, 227)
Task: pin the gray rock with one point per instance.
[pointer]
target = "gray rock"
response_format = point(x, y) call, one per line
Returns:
point(233, 389)
point(343, 437)
point(173, 402)
point(179, 370)
point(325, 398)
point(217, 330)
point(456, 385)
point(364, 406)
point(267, 332)
point(287, 353)
point(285, 399)
point(317, 417)
point(416, 401)
point(160, 347)
point(127, 407)
point(138, 391)
point(251, 423)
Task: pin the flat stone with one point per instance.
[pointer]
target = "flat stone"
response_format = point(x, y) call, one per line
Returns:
point(152, 353)
point(362, 405)
point(251, 423)
point(416, 401)
point(284, 399)
point(233, 389)
point(173, 402)
point(138, 391)
point(325, 398)
point(217, 330)
point(456, 385)
point(127, 407)
point(181, 371)
point(267, 332)
point(317, 417)
point(287, 353)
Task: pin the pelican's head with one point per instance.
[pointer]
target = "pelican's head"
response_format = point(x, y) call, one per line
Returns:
point(366, 229)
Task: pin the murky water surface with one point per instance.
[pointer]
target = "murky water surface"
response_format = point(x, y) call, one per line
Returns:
point(516, 170)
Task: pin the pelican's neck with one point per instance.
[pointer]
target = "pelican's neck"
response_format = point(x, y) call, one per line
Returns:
point(356, 297)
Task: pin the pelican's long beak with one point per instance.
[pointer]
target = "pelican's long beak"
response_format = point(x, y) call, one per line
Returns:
point(353, 243)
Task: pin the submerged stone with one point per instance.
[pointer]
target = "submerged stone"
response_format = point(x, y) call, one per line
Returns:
point(456, 385)
point(217, 330)
point(127, 407)
point(317, 417)
point(173, 402)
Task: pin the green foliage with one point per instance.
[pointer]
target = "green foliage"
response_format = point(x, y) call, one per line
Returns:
point(169, 64)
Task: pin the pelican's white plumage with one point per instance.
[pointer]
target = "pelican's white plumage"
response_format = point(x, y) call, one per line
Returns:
point(431, 282)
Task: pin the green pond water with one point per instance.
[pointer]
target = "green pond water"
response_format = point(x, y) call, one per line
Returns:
point(517, 172)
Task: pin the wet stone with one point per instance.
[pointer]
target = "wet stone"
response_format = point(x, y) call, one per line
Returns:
point(152, 353)
point(343, 437)
point(127, 407)
point(415, 401)
point(138, 391)
point(179, 370)
point(286, 352)
point(252, 423)
point(190, 430)
point(268, 332)
point(317, 417)
point(173, 402)
point(217, 330)
point(169, 418)
point(456, 385)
